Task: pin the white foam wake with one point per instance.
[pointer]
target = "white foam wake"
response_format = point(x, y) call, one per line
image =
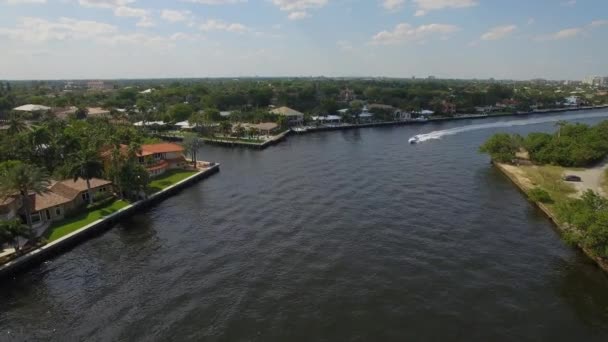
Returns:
point(451, 131)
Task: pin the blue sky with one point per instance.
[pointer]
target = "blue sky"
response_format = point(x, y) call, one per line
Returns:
point(515, 39)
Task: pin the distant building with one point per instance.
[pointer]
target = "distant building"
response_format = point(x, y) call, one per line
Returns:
point(294, 118)
point(596, 81)
point(32, 108)
point(572, 101)
point(98, 85)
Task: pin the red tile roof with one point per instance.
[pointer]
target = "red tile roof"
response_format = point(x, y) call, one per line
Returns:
point(147, 150)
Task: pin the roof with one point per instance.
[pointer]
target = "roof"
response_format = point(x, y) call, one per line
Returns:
point(150, 123)
point(264, 126)
point(49, 200)
point(147, 150)
point(31, 108)
point(286, 111)
point(81, 184)
point(380, 106)
point(64, 192)
point(97, 111)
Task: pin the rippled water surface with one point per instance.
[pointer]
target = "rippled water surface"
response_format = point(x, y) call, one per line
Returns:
point(337, 236)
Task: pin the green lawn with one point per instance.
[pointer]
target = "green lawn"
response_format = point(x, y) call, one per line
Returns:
point(549, 178)
point(62, 228)
point(167, 179)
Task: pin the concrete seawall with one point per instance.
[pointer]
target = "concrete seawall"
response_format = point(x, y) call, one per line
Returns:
point(230, 143)
point(601, 262)
point(71, 240)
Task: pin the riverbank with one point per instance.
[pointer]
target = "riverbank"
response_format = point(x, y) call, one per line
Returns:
point(90, 230)
point(311, 129)
point(524, 183)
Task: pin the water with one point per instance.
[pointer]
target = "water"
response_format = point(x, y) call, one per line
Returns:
point(337, 236)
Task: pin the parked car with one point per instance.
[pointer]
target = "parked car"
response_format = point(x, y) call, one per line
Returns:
point(572, 178)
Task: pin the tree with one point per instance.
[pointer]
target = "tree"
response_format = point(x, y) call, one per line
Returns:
point(16, 125)
point(225, 127)
point(180, 112)
point(239, 131)
point(87, 165)
point(11, 231)
point(81, 113)
point(501, 147)
point(23, 179)
point(133, 178)
point(197, 120)
point(191, 144)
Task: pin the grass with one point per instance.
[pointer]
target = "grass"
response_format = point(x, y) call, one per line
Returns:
point(74, 223)
point(549, 178)
point(167, 179)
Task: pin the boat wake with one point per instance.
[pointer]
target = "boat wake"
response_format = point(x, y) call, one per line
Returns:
point(456, 130)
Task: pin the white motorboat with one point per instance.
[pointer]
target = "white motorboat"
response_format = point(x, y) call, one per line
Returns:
point(414, 140)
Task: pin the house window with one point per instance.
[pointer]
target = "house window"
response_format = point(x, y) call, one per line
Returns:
point(35, 217)
point(141, 160)
point(57, 211)
point(85, 196)
point(102, 190)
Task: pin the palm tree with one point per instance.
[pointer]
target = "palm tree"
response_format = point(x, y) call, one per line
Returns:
point(11, 230)
point(24, 179)
point(16, 125)
point(191, 144)
point(86, 165)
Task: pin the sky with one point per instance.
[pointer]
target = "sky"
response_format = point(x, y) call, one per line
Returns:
point(106, 39)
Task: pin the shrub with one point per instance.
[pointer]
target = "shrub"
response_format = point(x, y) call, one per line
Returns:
point(540, 195)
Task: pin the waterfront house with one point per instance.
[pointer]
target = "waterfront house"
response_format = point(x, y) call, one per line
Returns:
point(65, 197)
point(158, 158)
point(265, 128)
point(294, 118)
point(327, 119)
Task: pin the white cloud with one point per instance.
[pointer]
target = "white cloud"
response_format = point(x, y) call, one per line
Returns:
point(572, 32)
point(23, 2)
point(392, 5)
point(219, 25)
point(425, 6)
point(344, 45)
point(215, 2)
point(175, 16)
point(569, 3)
point(499, 32)
point(298, 15)
point(562, 34)
point(105, 3)
point(298, 8)
point(121, 8)
point(38, 30)
point(405, 32)
point(598, 23)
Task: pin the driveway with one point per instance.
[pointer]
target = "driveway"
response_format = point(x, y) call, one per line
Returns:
point(591, 179)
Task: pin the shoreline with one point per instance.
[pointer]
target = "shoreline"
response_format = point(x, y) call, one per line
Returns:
point(65, 243)
point(283, 136)
point(521, 186)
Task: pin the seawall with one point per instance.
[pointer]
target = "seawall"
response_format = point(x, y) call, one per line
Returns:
point(71, 240)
